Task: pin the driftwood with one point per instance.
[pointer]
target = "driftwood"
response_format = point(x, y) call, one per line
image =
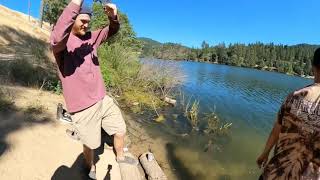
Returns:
point(130, 172)
point(152, 168)
point(173, 102)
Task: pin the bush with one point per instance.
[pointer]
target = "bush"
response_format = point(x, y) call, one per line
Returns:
point(122, 70)
point(119, 66)
point(161, 76)
point(23, 72)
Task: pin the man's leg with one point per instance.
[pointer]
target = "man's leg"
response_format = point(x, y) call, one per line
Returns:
point(89, 158)
point(119, 145)
point(114, 124)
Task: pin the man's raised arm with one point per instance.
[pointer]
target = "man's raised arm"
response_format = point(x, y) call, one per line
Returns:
point(62, 28)
point(114, 26)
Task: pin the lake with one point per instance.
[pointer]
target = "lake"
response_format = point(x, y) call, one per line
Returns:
point(247, 98)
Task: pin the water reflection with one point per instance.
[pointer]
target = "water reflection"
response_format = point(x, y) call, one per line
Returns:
point(248, 98)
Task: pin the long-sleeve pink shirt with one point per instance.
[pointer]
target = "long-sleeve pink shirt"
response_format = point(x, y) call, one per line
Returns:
point(77, 60)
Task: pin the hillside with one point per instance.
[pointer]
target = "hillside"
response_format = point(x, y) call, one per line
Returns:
point(289, 59)
point(155, 49)
point(149, 42)
point(25, 57)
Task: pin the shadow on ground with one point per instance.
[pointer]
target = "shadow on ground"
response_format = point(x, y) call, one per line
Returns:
point(182, 172)
point(19, 41)
point(24, 59)
point(78, 171)
point(14, 119)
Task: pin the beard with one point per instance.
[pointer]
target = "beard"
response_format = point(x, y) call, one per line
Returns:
point(82, 32)
point(78, 31)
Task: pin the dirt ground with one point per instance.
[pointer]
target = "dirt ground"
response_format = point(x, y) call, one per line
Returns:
point(33, 145)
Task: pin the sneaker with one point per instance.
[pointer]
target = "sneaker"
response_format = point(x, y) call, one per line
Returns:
point(62, 115)
point(92, 175)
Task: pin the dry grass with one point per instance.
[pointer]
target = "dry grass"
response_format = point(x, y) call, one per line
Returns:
point(6, 100)
point(161, 75)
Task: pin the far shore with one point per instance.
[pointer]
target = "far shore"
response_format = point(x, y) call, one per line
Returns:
point(265, 68)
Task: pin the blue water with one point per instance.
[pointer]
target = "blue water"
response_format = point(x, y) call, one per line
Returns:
point(242, 96)
point(248, 98)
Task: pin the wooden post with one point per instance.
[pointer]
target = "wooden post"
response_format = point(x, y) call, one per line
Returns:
point(152, 168)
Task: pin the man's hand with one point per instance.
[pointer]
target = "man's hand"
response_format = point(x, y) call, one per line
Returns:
point(111, 10)
point(263, 159)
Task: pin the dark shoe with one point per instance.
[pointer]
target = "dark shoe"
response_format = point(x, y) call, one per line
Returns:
point(63, 115)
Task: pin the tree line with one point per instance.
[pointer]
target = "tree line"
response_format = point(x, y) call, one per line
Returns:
point(295, 59)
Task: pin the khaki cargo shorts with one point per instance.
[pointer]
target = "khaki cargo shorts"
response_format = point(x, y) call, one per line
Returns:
point(104, 114)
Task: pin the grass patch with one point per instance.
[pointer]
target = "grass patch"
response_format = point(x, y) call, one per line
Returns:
point(139, 100)
point(34, 109)
point(6, 101)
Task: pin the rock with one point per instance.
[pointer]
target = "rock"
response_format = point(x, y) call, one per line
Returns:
point(175, 116)
point(173, 102)
point(160, 119)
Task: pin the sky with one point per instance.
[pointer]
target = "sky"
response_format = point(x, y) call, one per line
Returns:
point(189, 22)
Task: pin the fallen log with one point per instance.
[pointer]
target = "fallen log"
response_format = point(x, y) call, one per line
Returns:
point(173, 102)
point(151, 167)
point(130, 172)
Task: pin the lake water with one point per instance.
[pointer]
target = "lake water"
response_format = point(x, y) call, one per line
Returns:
point(247, 98)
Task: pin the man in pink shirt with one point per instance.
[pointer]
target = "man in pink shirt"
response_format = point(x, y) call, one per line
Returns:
point(75, 51)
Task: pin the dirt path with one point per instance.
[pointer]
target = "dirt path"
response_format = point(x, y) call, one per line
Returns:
point(35, 146)
point(32, 144)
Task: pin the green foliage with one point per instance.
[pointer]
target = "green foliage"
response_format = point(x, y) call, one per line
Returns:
point(193, 115)
point(215, 126)
point(145, 99)
point(52, 9)
point(286, 59)
point(119, 66)
point(191, 111)
point(25, 73)
point(119, 57)
point(54, 85)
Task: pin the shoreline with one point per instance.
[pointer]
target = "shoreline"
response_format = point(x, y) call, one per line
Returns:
point(142, 140)
point(216, 63)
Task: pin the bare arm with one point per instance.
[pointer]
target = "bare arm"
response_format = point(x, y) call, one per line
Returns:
point(272, 140)
point(274, 135)
point(62, 29)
